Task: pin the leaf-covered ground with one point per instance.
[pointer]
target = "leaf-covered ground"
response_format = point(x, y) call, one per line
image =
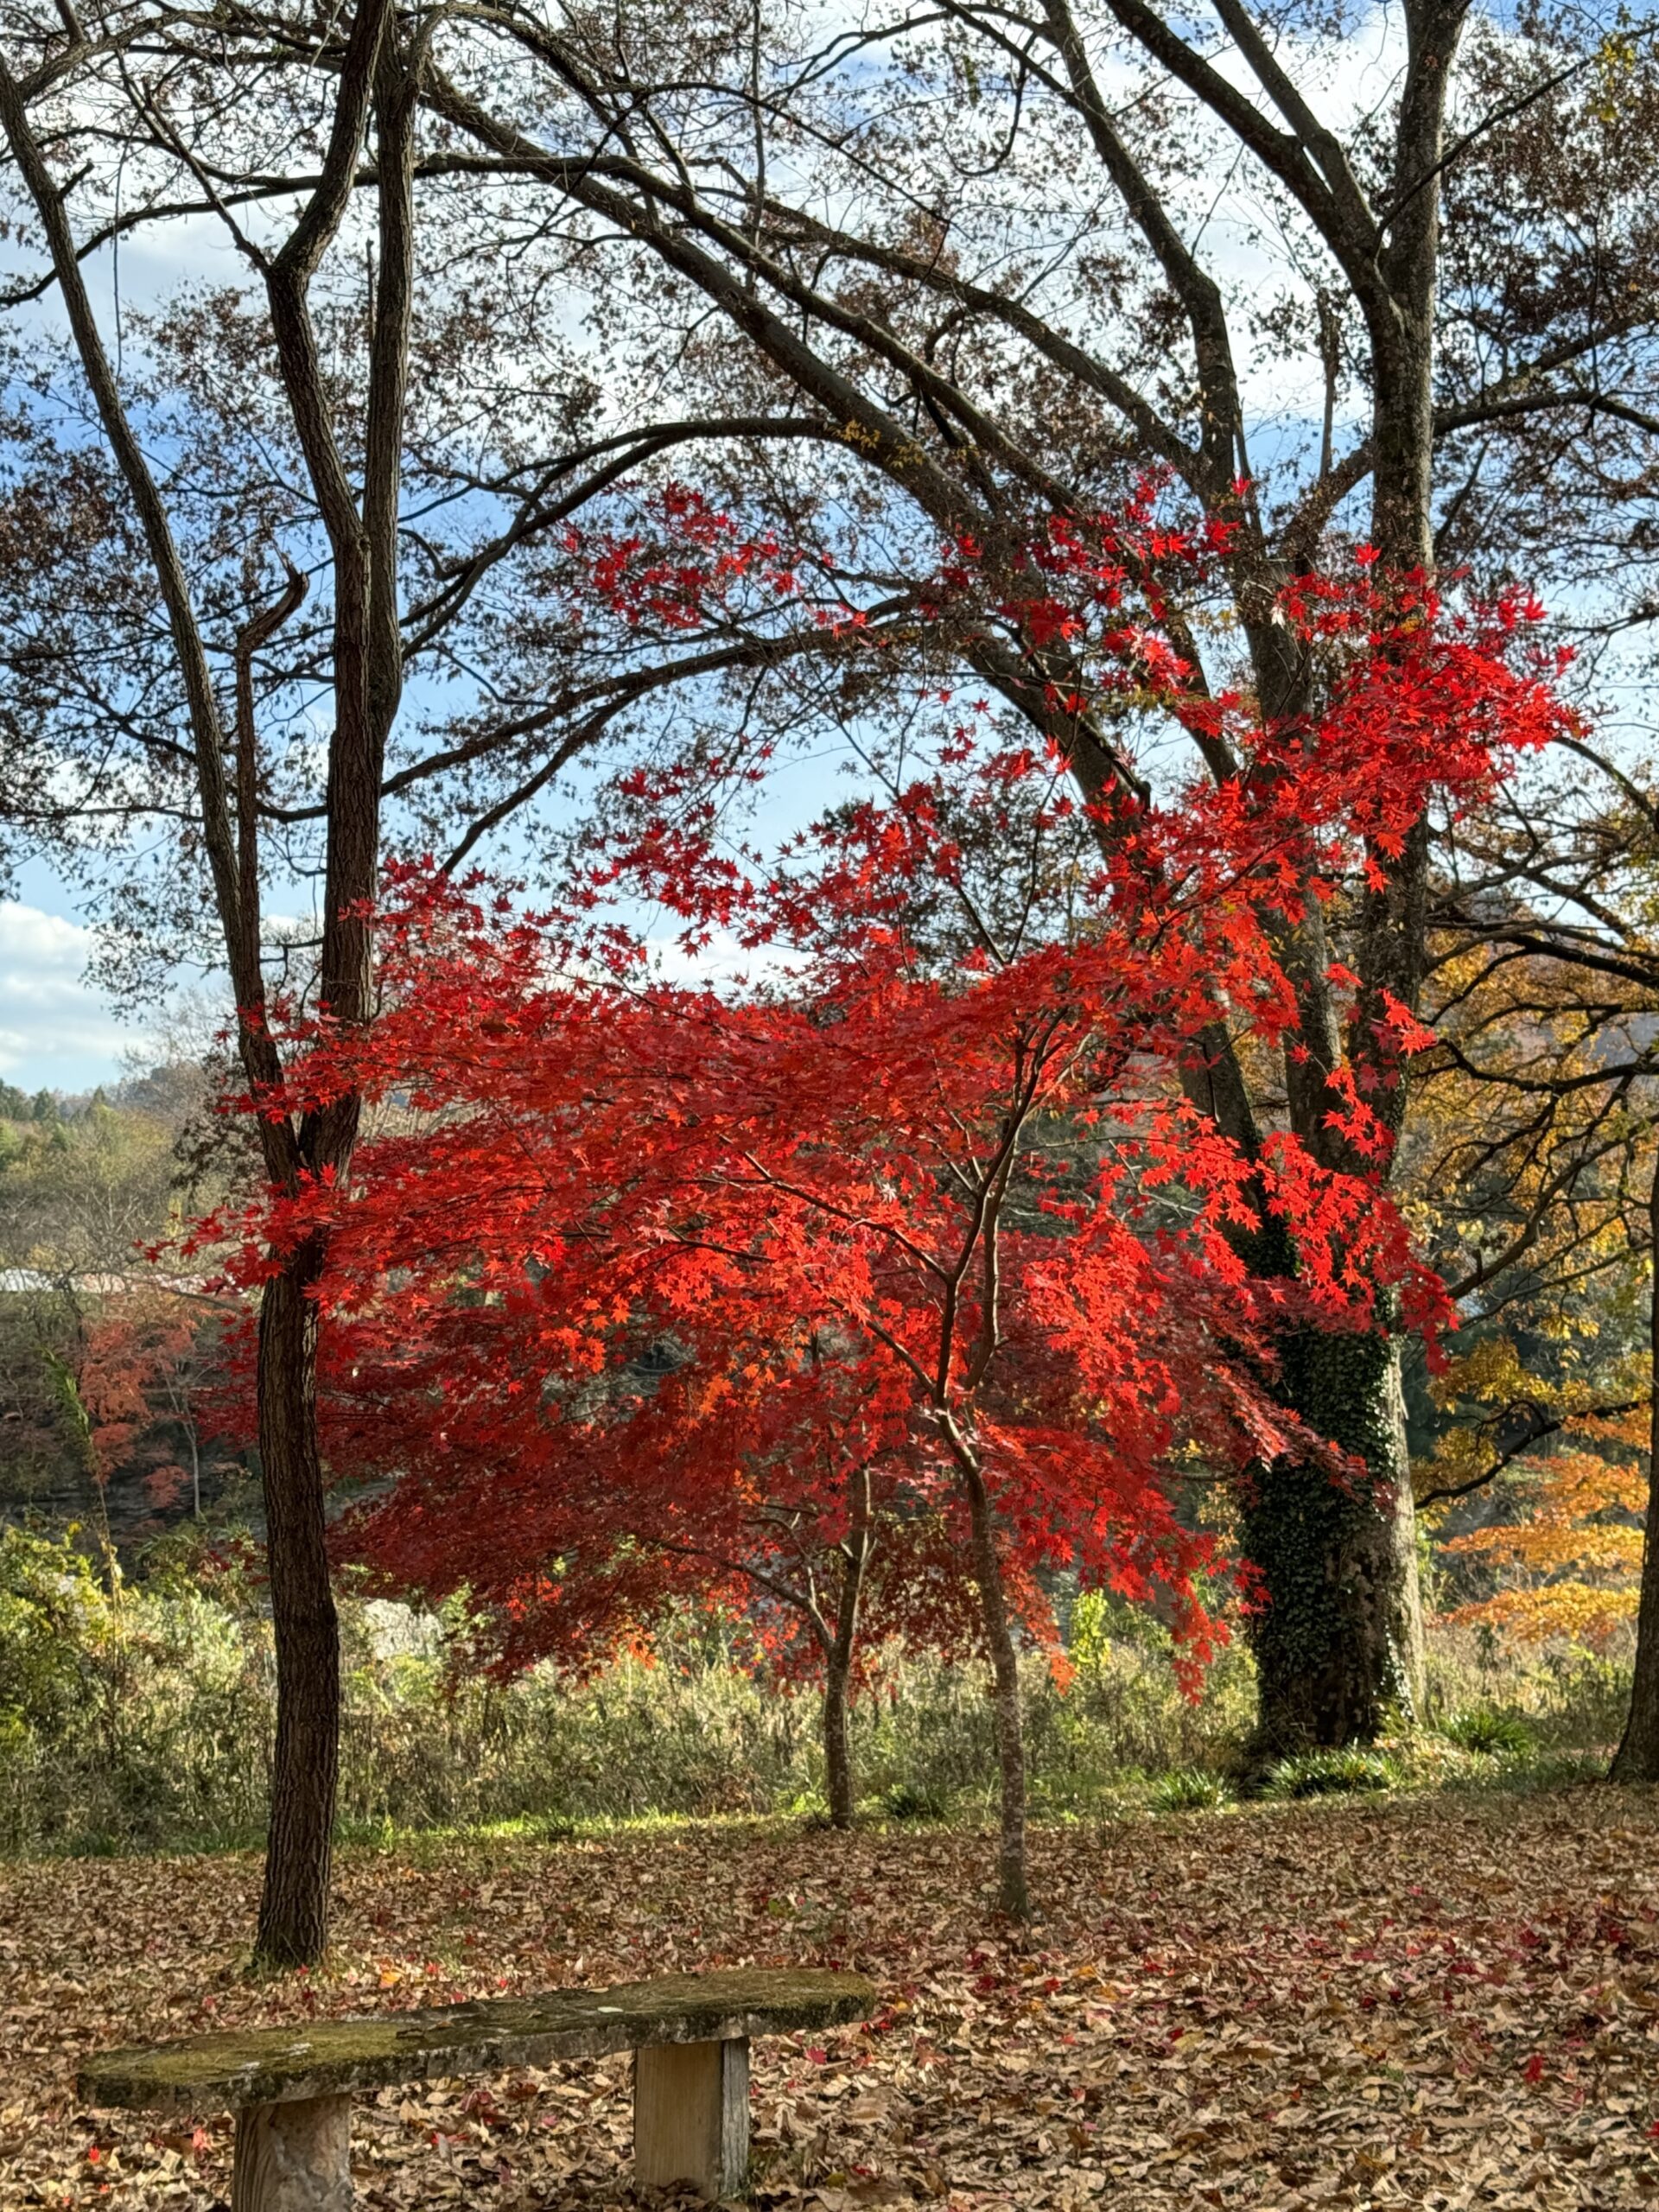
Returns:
point(1435, 2002)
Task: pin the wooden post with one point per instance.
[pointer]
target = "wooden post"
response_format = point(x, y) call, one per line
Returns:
point(293, 2158)
point(692, 2116)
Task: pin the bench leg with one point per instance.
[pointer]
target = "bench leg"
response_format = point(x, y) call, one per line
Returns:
point(293, 2158)
point(691, 2115)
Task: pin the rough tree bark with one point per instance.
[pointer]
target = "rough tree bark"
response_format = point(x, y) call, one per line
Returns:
point(1339, 1648)
point(299, 1849)
point(1340, 1686)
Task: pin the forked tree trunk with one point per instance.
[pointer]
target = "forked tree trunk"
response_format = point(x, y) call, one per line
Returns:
point(1340, 1647)
point(1637, 1756)
point(1013, 1882)
point(372, 85)
point(367, 652)
point(293, 1905)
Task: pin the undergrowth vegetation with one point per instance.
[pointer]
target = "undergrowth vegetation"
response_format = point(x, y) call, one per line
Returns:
point(136, 1716)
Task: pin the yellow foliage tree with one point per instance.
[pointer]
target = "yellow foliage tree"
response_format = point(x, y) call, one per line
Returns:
point(1567, 1555)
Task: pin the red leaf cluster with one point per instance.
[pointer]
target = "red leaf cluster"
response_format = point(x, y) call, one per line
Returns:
point(654, 1285)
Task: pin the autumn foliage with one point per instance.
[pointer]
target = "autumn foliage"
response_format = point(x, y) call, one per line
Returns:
point(904, 1269)
point(147, 1368)
point(1559, 1467)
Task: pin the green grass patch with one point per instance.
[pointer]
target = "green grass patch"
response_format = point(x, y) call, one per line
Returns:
point(1191, 1790)
point(1330, 1774)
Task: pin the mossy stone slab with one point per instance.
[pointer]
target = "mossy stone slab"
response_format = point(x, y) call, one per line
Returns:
point(268, 2066)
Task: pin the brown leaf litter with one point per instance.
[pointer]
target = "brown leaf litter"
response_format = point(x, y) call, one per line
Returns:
point(1437, 2002)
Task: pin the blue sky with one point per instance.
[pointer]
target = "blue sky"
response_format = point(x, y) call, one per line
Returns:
point(56, 1031)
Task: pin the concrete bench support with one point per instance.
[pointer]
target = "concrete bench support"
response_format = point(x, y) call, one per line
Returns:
point(291, 2088)
point(691, 2115)
point(293, 2158)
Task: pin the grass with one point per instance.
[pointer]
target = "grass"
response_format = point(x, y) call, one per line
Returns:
point(147, 1727)
point(1500, 1735)
point(1190, 1789)
point(1425, 1766)
point(1331, 1774)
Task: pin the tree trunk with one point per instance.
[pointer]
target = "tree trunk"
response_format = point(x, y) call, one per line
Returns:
point(1339, 1644)
point(371, 84)
point(1637, 1756)
point(294, 1906)
point(838, 1664)
point(837, 1748)
point(367, 676)
point(1013, 1884)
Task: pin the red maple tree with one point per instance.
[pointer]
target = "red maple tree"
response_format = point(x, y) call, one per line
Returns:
point(810, 1520)
point(919, 1212)
point(144, 1388)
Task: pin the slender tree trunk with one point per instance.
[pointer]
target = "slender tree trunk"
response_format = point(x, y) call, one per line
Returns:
point(373, 83)
point(1637, 1756)
point(294, 1906)
point(838, 1664)
point(367, 672)
point(838, 1745)
point(1012, 1883)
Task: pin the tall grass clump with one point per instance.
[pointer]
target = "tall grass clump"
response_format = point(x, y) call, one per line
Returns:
point(1563, 1694)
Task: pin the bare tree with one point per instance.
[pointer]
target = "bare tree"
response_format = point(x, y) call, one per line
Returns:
point(375, 87)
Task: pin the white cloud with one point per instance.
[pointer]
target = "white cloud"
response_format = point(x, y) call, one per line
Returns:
point(55, 1030)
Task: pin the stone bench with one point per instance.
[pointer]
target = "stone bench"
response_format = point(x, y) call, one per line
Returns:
point(291, 2088)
